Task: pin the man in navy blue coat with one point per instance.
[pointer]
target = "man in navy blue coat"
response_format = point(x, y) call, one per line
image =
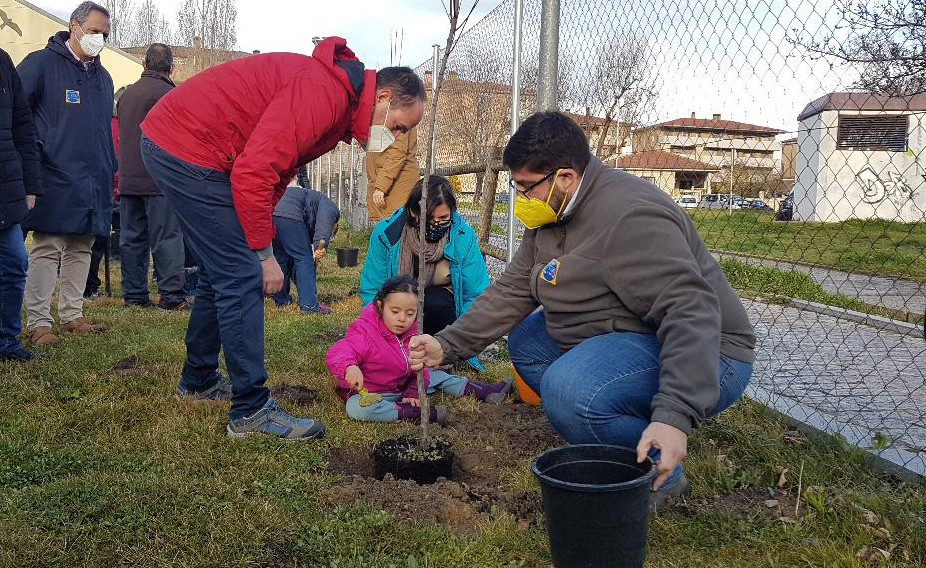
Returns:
point(72, 101)
point(19, 184)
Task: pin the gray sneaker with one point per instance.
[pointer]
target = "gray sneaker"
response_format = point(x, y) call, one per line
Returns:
point(273, 420)
point(667, 496)
point(221, 390)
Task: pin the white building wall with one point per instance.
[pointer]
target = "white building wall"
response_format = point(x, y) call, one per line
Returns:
point(835, 185)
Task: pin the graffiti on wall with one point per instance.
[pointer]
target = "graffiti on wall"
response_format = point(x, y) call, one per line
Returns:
point(875, 189)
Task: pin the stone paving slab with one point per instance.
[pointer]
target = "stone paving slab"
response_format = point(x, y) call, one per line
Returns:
point(873, 379)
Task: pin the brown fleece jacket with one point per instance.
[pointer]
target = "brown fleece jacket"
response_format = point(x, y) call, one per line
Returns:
point(630, 259)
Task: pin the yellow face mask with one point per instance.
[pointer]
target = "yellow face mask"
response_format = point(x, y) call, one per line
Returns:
point(535, 213)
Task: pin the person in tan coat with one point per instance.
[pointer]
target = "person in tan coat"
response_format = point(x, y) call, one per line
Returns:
point(392, 174)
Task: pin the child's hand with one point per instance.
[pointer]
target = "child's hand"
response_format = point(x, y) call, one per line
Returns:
point(412, 401)
point(354, 377)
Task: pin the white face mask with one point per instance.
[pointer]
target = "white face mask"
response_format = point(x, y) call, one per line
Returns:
point(380, 136)
point(91, 44)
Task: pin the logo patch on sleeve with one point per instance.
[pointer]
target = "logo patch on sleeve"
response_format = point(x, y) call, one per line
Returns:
point(548, 274)
point(72, 96)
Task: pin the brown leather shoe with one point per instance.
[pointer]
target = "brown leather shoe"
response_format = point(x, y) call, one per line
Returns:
point(43, 335)
point(81, 325)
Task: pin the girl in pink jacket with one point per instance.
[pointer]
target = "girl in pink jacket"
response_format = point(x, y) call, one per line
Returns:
point(373, 355)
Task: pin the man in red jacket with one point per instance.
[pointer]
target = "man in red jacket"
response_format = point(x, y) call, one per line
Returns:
point(222, 147)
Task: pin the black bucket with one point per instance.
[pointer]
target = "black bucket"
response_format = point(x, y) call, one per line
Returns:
point(347, 257)
point(596, 503)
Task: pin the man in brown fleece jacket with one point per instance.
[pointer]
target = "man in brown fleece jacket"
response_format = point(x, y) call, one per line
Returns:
point(640, 336)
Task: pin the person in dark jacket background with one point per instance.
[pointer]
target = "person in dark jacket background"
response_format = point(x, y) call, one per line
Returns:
point(305, 220)
point(19, 186)
point(71, 95)
point(222, 147)
point(148, 220)
point(111, 242)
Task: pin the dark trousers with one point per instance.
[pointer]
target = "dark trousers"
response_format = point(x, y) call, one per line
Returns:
point(439, 309)
point(14, 262)
point(229, 309)
point(293, 250)
point(150, 229)
point(98, 251)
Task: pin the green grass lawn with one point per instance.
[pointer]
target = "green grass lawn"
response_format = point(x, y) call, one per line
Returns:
point(870, 246)
point(106, 469)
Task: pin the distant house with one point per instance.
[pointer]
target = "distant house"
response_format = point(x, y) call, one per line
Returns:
point(714, 141)
point(861, 156)
point(192, 59)
point(672, 173)
point(25, 28)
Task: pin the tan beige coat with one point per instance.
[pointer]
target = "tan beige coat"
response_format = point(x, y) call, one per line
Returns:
point(394, 172)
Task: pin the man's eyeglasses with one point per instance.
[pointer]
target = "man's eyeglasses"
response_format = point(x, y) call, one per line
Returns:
point(513, 186)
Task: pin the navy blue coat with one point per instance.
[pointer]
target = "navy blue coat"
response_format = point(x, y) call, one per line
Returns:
point(311, 207)
point(73, 110)
point(19, 154)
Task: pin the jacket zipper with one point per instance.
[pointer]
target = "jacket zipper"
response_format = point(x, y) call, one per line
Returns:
point(408, 368)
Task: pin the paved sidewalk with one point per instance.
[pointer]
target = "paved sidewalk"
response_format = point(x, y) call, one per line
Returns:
point(872, 379)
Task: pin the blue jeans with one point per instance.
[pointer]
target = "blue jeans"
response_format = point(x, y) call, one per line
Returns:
point(601, 391)
point(14, 262)
point(293, 250)
point(387, 411)
point(229, 309)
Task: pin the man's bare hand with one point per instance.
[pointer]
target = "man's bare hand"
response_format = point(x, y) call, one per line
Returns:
point(424, 351)
point(30, 202)
point(379, 198)
point(672, 444)
point(273, 276)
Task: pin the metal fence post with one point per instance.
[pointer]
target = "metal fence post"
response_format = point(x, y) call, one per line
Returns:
point(350, 190)
point(328, 181)
point(547, 80)
point(340, 173)
point(515, 111)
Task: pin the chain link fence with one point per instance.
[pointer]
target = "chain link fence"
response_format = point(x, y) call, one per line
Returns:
point(805, 175)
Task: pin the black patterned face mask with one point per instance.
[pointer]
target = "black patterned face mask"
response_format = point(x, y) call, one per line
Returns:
point(436, 231)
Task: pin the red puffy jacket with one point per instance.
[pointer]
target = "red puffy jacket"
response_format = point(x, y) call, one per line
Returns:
point(261, 117)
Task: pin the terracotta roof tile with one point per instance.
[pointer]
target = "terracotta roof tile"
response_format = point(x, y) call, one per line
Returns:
point(659, 160)
point(718, 124)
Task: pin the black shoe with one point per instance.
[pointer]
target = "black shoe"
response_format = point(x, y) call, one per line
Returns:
point(138, 304)
point(92, 295)
point(18, 355)
point(174, 306)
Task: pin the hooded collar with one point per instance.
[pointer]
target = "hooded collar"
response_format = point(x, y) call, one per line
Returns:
point(360, 84)
point(371, 320)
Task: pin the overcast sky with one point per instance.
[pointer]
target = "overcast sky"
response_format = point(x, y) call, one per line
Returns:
point(290, 25)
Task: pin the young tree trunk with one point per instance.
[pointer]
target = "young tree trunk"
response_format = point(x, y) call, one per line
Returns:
point(490, 187)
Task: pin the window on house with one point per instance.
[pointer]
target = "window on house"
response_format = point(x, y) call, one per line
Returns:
point(885, 132)
point(649, 179)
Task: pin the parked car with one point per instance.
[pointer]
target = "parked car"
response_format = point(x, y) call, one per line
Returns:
point(720, 201)
point(687, 202)
point(786, 209)
point(759, 205)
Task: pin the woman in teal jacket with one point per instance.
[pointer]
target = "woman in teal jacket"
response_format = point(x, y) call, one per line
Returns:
point(456, 269)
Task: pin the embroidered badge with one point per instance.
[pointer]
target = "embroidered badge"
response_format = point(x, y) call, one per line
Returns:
point(548, 274)
point(72, 96)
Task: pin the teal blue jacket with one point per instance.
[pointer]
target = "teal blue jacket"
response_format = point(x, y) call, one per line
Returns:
point(468, 273)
